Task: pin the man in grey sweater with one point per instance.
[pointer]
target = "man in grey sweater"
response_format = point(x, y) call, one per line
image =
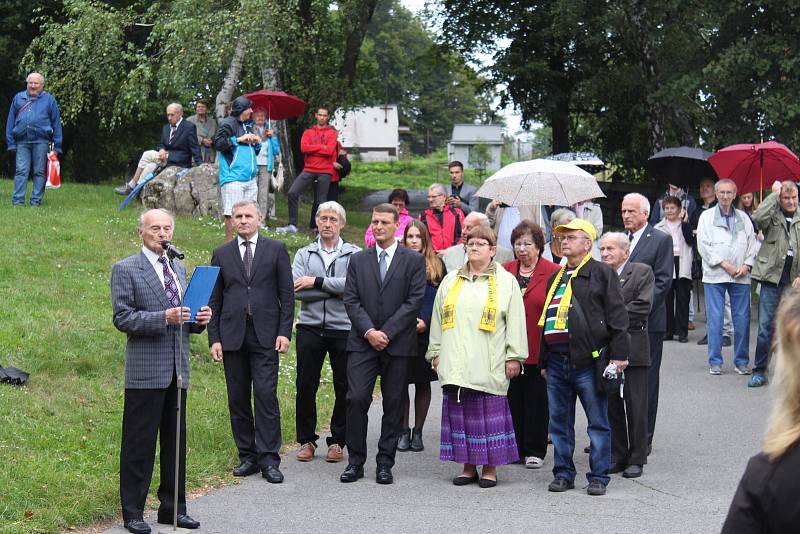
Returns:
point(319, 272)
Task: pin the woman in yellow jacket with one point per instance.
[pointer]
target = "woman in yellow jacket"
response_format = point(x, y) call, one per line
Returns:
point(477, 344)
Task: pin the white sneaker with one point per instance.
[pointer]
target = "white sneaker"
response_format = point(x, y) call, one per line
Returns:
point(533, 462)
point(288, 229)
point(742, 370)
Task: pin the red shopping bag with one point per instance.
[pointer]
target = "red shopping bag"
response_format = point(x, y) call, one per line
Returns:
point(53, 171)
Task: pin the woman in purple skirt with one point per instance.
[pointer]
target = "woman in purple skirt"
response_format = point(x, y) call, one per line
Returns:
point(477, 344)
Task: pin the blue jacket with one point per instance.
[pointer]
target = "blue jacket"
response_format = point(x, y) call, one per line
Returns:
point(39, 122)
point(238, 162)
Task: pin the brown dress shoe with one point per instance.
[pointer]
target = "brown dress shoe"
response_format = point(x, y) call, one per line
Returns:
point(306, 452)
point(334, 454)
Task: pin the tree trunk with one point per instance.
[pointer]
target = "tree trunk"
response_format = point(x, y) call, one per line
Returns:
point(225, 94)
point(637, 13)
point(272, 80)
point(363, 11)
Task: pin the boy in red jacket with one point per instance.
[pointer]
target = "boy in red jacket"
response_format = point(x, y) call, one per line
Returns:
point(319, 147)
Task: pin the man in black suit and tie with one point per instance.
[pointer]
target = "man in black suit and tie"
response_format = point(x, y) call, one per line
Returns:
point(654, 248)
point(178, 147)
point(628, 415)
point(253, 305)
point(383, 295)
point(145, 294)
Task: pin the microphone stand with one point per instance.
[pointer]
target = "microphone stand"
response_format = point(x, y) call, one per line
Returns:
point(179, 383)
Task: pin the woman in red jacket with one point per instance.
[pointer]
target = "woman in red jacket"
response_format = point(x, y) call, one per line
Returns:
point(527, 394)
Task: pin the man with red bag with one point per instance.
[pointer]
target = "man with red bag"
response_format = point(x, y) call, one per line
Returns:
point(34, 122)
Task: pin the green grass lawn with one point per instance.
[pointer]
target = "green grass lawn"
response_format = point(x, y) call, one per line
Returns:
point(60, 434)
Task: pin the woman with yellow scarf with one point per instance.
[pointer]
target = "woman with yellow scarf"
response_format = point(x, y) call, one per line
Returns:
point(477, 344)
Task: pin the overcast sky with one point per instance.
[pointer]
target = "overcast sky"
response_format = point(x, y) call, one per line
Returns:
point(512, 119)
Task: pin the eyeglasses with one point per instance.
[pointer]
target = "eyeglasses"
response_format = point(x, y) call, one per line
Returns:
point(569, 238)
point(523, 244)
point(478, 244)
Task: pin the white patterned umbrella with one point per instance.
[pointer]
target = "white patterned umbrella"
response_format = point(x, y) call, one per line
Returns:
point(540, 181)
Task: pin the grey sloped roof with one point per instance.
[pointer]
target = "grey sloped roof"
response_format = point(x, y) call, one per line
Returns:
point(477, 133)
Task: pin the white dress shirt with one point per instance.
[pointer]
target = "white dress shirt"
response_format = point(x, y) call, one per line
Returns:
point(390, 250)
point(253, 240)
point(158, 267)
point(636, 236)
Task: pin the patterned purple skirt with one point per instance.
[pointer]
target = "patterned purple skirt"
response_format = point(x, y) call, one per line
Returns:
point(478, 429)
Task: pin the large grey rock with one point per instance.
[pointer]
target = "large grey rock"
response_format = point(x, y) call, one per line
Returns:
point(195, 192)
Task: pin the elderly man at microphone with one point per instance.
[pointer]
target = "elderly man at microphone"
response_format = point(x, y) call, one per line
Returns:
point(146, 291)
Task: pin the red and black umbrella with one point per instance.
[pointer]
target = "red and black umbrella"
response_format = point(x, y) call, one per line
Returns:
point(752, 166)
point(277, 104)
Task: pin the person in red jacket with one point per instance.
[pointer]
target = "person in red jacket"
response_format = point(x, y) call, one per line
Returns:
point(444, 222)
point(319, 146)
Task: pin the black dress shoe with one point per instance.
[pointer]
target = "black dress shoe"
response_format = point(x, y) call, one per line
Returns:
point(404, 441)
point(184, 521)
point(560, 484)
point(726, 341)
point(616, 468)
point(487, 483)
point(352, 473)
point(683, 339)
point(272, 474)
point(461, 480)
point(633, 471)
point(703, 341)
point(245, 469)
point(416, 441)
point(668, 337)
point(383, 475)
point(137, 526)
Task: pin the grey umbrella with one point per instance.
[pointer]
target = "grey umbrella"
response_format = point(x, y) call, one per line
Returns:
point(540, 181)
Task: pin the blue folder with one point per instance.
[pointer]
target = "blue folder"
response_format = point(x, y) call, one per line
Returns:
point(199, 291)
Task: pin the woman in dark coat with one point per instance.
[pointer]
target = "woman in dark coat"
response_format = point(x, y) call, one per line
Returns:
point(416, 237)
point(527, 393)
point(766, 499)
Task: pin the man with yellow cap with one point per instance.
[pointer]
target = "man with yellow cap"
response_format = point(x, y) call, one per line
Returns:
point(583, 313)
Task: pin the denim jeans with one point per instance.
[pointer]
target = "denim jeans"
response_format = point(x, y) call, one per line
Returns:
point(740, 315)
point(564, 385)
point(30, 156)
point(769, 297)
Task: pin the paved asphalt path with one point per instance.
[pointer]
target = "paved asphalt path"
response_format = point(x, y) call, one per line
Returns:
point(708, 427)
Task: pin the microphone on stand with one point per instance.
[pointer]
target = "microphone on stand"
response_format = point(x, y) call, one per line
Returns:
point(171, 251)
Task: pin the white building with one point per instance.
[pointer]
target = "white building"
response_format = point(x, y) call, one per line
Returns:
point(372, 132)
point(467, 136)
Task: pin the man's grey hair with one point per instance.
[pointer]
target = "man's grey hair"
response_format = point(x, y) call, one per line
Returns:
point(145, 212)
point(480, 218)
point(622, 240)
point(39, 74)
point(439, 188)
point(177, 107)
point(335, 207)
point(561, 216)
point(725, 181)
point(788, 186)
point(243, 203)
point(644, 204)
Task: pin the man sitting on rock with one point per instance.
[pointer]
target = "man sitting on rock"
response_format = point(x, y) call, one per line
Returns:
point(178, 147)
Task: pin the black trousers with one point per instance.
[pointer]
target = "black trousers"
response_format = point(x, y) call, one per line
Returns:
point(363, 369)
point(303, 180)
point(253, 366)
point(678, 305)
point(148, 413)
point(628, 418)
point(311, 350)
point(653, 372)
point(527, 399)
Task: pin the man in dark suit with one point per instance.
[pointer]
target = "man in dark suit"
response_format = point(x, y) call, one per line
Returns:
point(145, 294)
point(178, 146)
point(253, 305)
point(628, 415)
point(654, 248)
point(383, 295)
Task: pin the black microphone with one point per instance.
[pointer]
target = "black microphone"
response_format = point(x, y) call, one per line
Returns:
point(171, 251)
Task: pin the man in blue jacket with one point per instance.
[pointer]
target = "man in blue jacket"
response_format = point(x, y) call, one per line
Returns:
point(33, 122)
point(238, 147)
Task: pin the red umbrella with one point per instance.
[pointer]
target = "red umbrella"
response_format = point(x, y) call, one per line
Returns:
point(277, 104)
point(753, 166)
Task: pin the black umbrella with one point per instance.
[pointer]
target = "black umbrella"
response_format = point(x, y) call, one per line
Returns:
point(12, 375)
point(682, 166)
